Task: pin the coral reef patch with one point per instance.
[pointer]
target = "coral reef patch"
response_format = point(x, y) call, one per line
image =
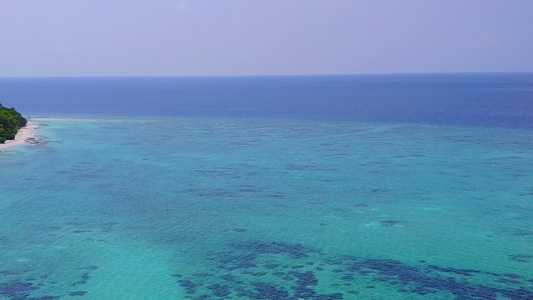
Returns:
point(277, 270)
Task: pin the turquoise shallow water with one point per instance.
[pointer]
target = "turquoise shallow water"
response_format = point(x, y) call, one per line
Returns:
point(224, 208)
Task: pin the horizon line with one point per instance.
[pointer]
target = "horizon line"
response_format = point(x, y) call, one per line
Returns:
point(271, 75)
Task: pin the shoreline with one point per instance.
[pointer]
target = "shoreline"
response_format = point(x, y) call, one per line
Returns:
point(25, 133)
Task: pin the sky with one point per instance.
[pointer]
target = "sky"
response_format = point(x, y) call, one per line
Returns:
point(263, 37)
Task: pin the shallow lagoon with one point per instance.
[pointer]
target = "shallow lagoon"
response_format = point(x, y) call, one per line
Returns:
point(220, 208)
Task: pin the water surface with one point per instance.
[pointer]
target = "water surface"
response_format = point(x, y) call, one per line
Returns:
point(296, 202)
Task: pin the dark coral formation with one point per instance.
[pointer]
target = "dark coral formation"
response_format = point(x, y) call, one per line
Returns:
point(189, 286)
point(521, 257)
point(284, 271)
point(17, 285)
point(19, 290)
point(78, 293)
point(276, 270)
point(16, 289)
point(389, 222)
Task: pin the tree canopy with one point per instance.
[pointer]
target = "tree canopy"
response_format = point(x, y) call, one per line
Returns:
point(10, 122)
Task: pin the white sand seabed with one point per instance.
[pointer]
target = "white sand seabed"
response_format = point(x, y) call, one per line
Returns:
point(25, 133)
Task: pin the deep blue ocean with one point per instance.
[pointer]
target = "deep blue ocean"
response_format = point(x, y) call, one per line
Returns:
point(458, 99)
point(298, 187)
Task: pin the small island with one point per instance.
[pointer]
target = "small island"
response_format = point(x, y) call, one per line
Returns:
point(11, 121)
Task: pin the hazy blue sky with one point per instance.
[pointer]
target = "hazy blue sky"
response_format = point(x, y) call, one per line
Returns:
point(261, 37)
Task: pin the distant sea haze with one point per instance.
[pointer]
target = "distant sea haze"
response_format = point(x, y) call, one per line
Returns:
point(500, 100)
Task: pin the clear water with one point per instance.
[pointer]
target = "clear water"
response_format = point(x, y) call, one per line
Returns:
point(409, 199)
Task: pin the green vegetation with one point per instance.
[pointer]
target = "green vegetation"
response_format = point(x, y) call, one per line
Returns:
point(10, 122)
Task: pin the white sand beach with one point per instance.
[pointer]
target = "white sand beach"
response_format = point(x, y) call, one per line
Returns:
point(22, 136)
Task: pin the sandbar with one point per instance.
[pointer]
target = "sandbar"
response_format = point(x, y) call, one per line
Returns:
point(25, 133)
